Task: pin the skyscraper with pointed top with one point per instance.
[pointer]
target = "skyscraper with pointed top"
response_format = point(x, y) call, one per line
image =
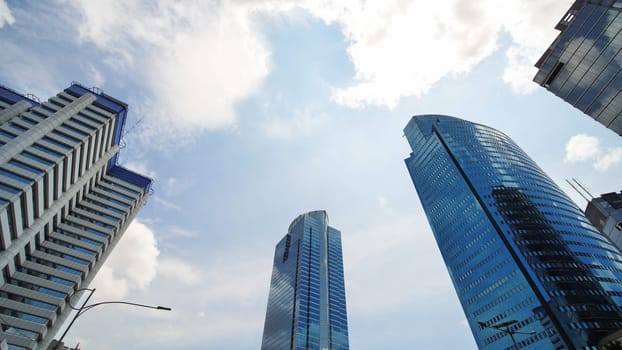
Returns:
point(526, 263)
point(307, 302)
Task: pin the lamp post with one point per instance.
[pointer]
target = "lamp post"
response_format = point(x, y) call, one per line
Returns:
point(84, 308)
point(505, 328)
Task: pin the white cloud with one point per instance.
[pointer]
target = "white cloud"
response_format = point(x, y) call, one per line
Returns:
point(531, 26)
point(5, 14)
point(582, 147)
point(179, 270)
point(197, 59)
point(403, 47)
point(613, 157)
point(221, 299)
point(131, 265)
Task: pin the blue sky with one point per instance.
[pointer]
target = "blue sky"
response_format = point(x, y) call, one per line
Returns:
point(249, 113)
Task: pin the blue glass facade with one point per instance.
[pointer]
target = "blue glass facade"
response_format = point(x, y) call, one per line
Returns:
point(583, 65)
point(516, 247)
point(307, 302)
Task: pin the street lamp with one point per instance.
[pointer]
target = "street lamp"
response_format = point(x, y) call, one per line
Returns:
point(84, 308)
point(505, 328)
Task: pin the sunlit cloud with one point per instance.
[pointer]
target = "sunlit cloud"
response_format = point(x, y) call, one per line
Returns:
point(131, 265)
point(197, 59)
point(611, 158)
point(583, 148)
point(5, 14)
point(402, 48)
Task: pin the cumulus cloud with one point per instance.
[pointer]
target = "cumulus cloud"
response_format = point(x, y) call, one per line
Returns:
point(220, 299)
point(582, 148)
point(5, 14)
point(613, 157)
point(131, 265)
point(403, 47)
point(196, 58)
point(530, 25)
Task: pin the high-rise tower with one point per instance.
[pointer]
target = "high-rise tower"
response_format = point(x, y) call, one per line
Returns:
point(605, 212)
point(307, 302)
point(64, 204)
point(583, 65)
point(519, 252)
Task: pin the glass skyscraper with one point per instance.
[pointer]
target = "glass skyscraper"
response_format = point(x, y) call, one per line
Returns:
point(583, 65)
point(307, 302)
point(64, 204)
point(518, 250)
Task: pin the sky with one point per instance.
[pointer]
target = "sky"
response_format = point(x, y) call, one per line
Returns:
point(247, 113)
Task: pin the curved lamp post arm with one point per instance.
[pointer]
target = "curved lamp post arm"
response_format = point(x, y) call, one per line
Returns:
point(76, 292)
point(84, 308)
point(88, 307)
point(60, 340)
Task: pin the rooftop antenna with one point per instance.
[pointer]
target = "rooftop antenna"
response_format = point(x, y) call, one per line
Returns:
point(583, 187)
point(131, 128)
point(579, 192)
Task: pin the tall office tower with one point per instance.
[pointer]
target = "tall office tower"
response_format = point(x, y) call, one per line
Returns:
point(64, 204)
point(605, 213)
point(522, 256)
point(307, 302)
point(583, 66)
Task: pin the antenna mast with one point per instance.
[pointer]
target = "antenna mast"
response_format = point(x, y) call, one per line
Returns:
point(579, 192)
point(583, 187)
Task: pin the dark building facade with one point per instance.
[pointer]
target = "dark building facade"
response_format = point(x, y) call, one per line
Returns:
point(518, 250)
point(605, 212)
point(583, 66)
point(64, 204)
point(307, 302)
